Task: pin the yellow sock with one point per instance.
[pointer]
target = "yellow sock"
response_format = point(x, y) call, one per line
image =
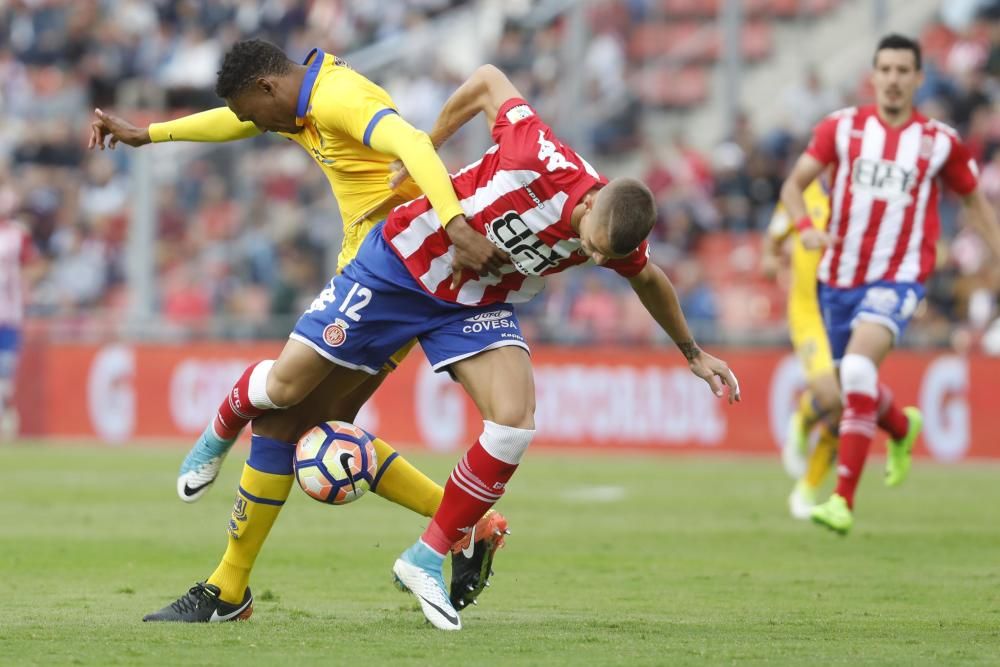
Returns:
point(397, 480)
point(807, 409)
point(258, 503)
point(822, 458)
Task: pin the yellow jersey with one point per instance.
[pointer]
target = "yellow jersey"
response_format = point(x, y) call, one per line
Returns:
point(352, 130)
point(805, 263)
point(805, 321)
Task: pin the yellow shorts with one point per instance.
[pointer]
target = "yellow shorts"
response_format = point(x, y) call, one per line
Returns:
point(805, 327)
point(397, 358)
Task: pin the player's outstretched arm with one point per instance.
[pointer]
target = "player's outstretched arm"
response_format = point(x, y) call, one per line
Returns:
point(484, 92)
point(214, 125)
point(806, 170)
point(980, 215)
point(657, 294)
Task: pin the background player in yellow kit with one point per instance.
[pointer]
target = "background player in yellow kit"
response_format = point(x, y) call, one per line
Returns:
point(819, 404)
point(350, 127)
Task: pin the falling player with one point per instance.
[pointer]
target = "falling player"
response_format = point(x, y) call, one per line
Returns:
point(886, 161)
point(819, 404)
point(351, 129)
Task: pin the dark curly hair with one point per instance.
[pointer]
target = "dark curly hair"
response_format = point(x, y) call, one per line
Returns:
point(246, 62)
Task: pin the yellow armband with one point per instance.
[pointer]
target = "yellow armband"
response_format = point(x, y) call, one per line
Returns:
point(394, 136)
point(214, 125)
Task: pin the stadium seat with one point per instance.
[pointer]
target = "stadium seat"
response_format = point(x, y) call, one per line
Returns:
point(757, 40)
point(748, 299)
point(751, 9)
point(694, 42)
point(690, 8)
point(936, 40)
point(672, 88)
point(688, 41)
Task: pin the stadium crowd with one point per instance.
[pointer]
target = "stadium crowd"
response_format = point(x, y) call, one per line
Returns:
point(243, 231)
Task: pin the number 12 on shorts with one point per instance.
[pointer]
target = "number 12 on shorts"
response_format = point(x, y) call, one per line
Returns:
point(353, 312)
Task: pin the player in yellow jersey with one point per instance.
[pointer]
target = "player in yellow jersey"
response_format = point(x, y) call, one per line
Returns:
point(819, 404)
point(350, 127)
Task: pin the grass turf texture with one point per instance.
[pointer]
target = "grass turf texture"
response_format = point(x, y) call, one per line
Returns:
point(692, 561)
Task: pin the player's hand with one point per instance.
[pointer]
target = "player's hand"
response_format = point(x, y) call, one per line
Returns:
point(397, 174)
point(473, 251)
point(770, 264)
point(717, 374)
point(107, 125)
point(815, 239)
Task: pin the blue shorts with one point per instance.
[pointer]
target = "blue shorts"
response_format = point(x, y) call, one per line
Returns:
point(375, 307)
point(10, 343)
point(886, 303)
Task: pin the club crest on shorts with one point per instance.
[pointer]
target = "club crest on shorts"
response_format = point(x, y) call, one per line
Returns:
point(335, 334)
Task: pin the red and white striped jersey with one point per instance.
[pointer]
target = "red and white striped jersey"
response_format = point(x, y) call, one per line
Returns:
point(884, 199)
point(15, 250)
point(520, 195)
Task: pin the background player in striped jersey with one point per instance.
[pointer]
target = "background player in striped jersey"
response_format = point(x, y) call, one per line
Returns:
point(819, 405)
point(16, 252)
point(349, 126)
point(886, 163)
point(548, 210)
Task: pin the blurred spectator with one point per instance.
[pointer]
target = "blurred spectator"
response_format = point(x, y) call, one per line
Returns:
point(808, 101)
point(595, 312)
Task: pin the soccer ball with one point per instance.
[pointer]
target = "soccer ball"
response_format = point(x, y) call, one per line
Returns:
point(335, 463)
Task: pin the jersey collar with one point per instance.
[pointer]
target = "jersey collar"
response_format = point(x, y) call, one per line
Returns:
point(305, 92)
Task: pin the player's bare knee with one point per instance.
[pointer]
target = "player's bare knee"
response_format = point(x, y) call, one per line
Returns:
point(283, 392)
point(515, 415)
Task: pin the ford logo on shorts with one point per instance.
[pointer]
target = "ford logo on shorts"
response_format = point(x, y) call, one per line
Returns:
point(490, 316)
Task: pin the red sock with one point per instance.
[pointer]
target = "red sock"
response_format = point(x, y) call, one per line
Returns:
point(857, 428)
point(237, 410)
point(476, 483)
point(891, 419)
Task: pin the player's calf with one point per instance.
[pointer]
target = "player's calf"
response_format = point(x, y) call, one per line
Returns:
point(249, 398)
point(203, 462)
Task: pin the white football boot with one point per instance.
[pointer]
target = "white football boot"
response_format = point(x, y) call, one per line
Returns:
point(418, 571)
point(202, 464)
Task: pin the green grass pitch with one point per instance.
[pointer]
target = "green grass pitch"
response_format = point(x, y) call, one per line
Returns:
point(613, 560)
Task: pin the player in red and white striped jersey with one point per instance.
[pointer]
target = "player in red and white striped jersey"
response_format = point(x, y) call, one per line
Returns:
point(886, 164)
point(16, 250)
point(886, 187)
point(520, 195)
